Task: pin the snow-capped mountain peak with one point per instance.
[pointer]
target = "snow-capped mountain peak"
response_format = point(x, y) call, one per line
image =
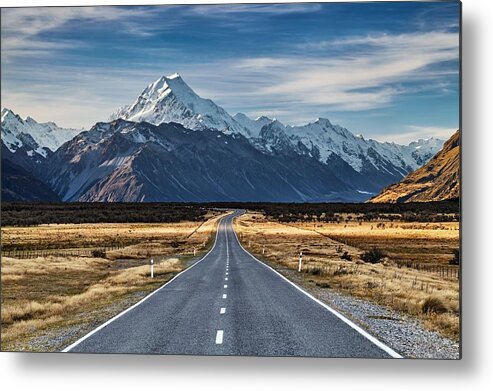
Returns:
point(170, 99)
point(254, 126)
point(166, 85)
point(31, 135)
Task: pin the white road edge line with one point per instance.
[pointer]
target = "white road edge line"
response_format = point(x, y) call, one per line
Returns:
point(365, 334)
point(223, 310)
point(219, 337)
point(73, 345)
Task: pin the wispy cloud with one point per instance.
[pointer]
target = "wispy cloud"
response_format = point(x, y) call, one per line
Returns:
point(369, 77)
point(262, 9)
point(250, 58)
point(22, 28)
point(415, 132)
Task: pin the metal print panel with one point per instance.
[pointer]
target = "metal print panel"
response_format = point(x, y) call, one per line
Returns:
point(235, 179)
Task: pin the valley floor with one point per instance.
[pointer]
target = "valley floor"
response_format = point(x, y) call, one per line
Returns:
point(61, 281)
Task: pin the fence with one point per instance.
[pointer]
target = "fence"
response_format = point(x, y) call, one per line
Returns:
point(445, 271)
point(30, 254)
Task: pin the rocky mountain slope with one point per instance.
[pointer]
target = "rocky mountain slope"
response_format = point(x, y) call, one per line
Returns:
point(437, 180)
point(370, 164)
point(155, 150)
point(127, 161)
point(19, 185)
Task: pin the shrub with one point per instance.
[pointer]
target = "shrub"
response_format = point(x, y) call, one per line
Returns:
point(323, 285)
point(316, 271)
point(346, 256)
point(434, 304)
point(375, 255)
point(98, 253)
point(456, 259)
point(341, 271)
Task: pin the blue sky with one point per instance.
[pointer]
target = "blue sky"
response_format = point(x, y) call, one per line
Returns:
point(387, 70)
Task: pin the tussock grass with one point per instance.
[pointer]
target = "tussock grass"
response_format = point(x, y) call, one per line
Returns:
point(434, 304)
point(30, 306)
point(403, 289)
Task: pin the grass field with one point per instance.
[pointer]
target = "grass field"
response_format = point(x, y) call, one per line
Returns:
point(332, 259)
point(49, 296)
point(430, 243)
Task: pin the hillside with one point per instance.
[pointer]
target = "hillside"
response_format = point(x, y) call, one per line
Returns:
point(435, 181)
point(20, 185)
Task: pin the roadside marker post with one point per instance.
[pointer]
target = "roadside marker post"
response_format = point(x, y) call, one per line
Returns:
point(152, 268)
point(300, 261)
point(194, 252)
point(263, 250)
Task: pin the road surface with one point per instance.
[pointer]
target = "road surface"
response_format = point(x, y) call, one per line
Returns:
point(229, 303)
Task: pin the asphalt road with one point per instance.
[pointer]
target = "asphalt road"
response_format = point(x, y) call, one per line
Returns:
point(229, 303)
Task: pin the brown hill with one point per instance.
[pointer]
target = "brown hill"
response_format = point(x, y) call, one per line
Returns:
point(436, 181)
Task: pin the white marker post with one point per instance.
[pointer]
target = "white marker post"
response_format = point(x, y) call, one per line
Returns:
point(263, 250)
point(299, 263)
point(194, 252)
point(152, 268)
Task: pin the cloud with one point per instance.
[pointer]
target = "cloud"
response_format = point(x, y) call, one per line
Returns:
point(414, 132)
point(370, 73)
point(69, 95)
point(228, 10)
point(296, 83)
point(22, 28)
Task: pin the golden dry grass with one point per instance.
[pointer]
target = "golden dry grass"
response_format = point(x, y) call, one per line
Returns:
point(402, 289)
point(430, 243)
point(73, 236)
point(44, 295)
point(41, 293)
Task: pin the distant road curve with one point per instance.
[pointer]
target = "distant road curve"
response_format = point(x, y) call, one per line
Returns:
point(230, 303)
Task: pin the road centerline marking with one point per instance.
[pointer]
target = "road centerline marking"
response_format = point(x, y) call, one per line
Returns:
point(225, 296)
point(223, 310)
point(219, 337)
point(225, 286)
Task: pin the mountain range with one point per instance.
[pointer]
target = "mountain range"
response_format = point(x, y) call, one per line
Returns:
point(172, 145)
point(437, 180)
point(28, 142)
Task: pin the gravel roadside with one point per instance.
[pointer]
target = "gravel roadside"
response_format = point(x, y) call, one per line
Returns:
point(402, 333)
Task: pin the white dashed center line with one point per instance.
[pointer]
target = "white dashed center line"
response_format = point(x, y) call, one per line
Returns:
point(219, 337)
point(225, 286)
point(225, 278)
point(225, 295)
point(223, 310)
